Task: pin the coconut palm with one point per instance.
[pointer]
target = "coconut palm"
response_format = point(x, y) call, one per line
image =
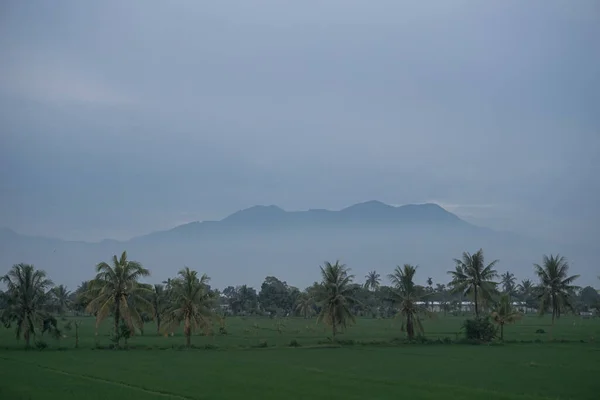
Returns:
point(555, 290)
point(407, 296)
point(335, 296)
point(508, 280)
point(61, 298)
point(159, 301)
point(191, 303)
point(115, 289)
point(26, 300)
point(373, 281)
point(305, 305)
point(504, 313)
point(473, 278)
point(525, 290)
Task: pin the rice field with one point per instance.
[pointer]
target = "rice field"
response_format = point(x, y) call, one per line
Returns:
point(255, 361)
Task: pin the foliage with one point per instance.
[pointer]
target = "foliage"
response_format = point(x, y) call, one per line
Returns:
point(60, 299)
point(275, 296)
point(26, 300)
point(555, 290)
point(508, 282)
point(473, 278)
point(479, 329)
point(116, 290)
point(191, 303)
point(305, 304)
point(373, 281)
point(335, 297)
point(159, 301)
point(241, 299)
point(407, 296)
point(504, 313)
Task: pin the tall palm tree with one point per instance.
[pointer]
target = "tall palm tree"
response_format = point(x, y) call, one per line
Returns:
point(373, 281)
point(26, 300)
point(555, 290)
point(61, 298)
point(504, 313)
point(336, 296)
point(159, 301)
point(114, 289)
point(508, 281)
point(473, 278)
point(305, 304)
point(191, 303)
point(408, 296)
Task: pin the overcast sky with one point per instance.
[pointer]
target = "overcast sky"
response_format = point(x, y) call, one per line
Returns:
point(118, 118)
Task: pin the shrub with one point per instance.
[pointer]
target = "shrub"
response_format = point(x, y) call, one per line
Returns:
point(480, 329)
point(540, 331)
point(40, 344)
point(294, 343)
point(263, 344)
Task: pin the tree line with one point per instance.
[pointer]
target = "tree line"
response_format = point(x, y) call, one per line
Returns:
point(31, 301)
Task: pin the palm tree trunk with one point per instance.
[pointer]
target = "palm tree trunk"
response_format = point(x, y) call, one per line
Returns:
point(158, 325)
point(410, 330)
point(552, 326)
point(475, 300)
point(187, 331)
point(502, 332)
point(117, 318)
point(333, 329)
point(76, 335)
point(27, 338)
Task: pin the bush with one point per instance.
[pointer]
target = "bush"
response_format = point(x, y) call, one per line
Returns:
point(40, 344)
point(540, 331)
point(480, 329)
point(294, 343)
point(262, 345)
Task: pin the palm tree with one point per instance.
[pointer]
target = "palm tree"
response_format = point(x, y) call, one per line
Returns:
point(305, 304)
point(508, 280)
point(372, 281)
point(336, 296)
point(191, 303)
point(472, 278)
point(504, 313)
point(407, 296)
point(26, 300)
point(555, 288)
point(61, 298)
point(525, 290)
point(158, 299)
point(114, 289)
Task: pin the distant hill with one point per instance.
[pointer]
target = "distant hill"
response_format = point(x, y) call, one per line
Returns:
point(250, 244)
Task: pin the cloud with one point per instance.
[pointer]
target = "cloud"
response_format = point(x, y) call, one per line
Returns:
point(52, 78)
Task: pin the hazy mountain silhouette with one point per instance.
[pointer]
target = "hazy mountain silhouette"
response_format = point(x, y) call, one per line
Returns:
point(250, 244)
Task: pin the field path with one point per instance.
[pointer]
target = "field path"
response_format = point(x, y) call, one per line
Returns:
point(103, 380)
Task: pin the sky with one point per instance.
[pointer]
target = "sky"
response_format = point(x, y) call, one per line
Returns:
point(119, 118)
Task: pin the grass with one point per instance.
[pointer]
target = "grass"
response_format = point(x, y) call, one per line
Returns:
point(236, 369)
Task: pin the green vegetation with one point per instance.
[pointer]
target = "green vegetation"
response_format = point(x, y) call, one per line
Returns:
point(335, 339)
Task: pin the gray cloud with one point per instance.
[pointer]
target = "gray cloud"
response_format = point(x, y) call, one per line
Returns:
point(122, 118)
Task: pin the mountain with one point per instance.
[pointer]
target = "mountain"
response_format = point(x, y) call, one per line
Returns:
point(250, 244)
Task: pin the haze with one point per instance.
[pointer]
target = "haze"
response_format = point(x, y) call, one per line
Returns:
point(122, 118)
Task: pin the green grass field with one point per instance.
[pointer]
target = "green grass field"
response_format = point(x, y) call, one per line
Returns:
point(235, 368)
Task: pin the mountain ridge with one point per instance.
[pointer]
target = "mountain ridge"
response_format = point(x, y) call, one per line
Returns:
point(260, 241)
point(372, 210)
